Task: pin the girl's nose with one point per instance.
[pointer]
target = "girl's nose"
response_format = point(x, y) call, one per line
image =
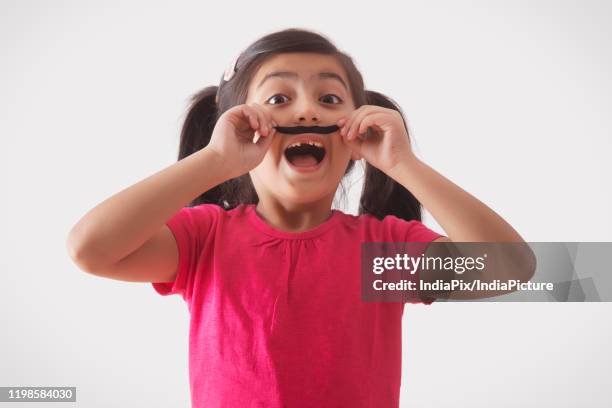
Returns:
point(303, 118)
point(306, 113)
point(306, 116)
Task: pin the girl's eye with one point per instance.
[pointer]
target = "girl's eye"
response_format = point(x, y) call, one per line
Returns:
point(339, 100)
point(274, 96)
point(284, 96)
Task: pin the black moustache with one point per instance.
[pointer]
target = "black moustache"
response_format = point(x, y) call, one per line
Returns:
point(307, 129)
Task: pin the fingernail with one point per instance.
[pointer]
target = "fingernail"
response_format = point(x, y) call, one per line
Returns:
point(256, 137)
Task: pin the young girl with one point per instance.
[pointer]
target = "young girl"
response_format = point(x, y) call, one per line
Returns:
point(242, 228)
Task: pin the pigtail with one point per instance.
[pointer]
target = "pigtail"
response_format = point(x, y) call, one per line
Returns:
point(381, 195)
point(200, 121)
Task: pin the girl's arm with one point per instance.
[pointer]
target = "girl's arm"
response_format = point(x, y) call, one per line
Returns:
point(465, 219)
point(125, 236)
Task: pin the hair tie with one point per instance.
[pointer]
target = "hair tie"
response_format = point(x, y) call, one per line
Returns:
point(231, 69)
point(229, 73)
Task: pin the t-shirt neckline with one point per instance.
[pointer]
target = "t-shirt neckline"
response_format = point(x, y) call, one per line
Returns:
point(263, 226)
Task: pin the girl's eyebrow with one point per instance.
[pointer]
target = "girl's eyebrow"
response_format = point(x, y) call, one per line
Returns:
point(294, 76)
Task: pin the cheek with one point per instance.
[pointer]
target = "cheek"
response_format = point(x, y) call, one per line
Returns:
point(271, 160)
point(342, 155)
point(340, 149)
point(264, 173)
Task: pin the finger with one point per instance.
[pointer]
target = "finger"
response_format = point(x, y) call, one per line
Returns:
point(251, 116)
point(265, 141)
point(374, 120)
point(353, 144)
point(260, 119)
point(356, 120)
point(349, 119)
point(265, 119)
point(268, 139)
point(271, 134)
point(266, 115)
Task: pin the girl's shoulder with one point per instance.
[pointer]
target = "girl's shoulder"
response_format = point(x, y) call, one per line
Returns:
point(200, 218)
point(390, 228)
point(205, 211)
point(371, 220)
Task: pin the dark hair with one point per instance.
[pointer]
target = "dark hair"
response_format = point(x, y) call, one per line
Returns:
point(381, 194)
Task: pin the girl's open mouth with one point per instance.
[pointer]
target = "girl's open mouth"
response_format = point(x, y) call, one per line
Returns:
point(305, 156)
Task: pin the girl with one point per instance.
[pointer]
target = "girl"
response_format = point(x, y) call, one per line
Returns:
point(242, 228)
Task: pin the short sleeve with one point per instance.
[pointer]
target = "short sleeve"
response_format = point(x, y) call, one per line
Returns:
point(192, 228)
point(415, 231)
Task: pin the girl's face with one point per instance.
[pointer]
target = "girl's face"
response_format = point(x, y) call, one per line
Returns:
point(302, 89)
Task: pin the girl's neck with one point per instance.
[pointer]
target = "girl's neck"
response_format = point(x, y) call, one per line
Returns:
point(294, 217)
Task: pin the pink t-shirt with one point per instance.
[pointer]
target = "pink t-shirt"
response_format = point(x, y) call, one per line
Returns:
point(277, 318)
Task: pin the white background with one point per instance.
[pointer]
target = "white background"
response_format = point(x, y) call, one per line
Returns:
point(510, 100)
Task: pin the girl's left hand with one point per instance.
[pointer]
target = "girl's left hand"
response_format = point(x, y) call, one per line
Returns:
point(386, 145)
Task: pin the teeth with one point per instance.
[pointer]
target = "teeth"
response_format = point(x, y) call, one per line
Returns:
point(317, 144)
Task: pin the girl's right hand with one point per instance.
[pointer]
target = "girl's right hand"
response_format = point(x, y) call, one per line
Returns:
point(232, 138)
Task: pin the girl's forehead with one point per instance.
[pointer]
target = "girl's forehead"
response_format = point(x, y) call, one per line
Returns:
point(299, 66)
